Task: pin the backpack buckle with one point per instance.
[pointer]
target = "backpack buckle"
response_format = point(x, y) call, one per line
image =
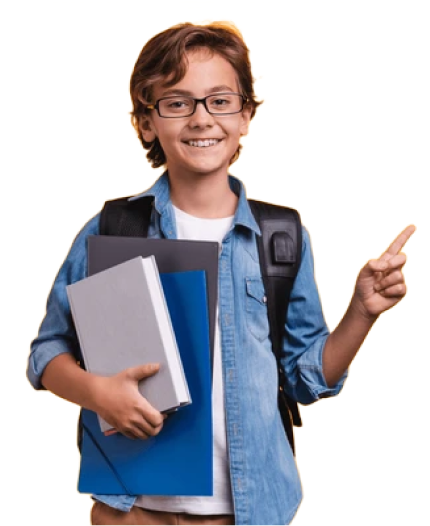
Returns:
point(282, 248)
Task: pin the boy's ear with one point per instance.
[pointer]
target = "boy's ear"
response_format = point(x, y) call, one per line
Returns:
point(147, 131)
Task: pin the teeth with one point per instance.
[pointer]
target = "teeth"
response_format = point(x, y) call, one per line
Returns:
point(204, 144)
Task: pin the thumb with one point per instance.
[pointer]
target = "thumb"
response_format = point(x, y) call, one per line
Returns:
point(143, 371)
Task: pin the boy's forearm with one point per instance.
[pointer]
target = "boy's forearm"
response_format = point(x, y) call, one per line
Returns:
point(344, 342)
point(66, 379)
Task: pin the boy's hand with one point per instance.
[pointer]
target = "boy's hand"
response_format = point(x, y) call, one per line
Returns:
point(120, 403)
point(380, 283)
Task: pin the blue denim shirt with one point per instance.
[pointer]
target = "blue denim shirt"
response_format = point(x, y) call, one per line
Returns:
point(265, 481)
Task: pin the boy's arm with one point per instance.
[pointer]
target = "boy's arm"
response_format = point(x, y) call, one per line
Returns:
point(64, 377)
point(344, 342)
point(306, 333)
point(116, 399)
point(380, 285)
point(56, 334)
point(54, 355)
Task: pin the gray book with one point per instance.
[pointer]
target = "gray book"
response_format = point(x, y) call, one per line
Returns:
point(122, 320)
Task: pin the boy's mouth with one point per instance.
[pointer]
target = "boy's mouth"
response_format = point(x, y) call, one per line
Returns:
point(203, 143)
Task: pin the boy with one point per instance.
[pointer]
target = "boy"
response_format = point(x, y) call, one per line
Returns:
point(193, 99)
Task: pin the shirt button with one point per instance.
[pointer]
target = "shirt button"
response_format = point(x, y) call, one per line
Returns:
point(264, 299)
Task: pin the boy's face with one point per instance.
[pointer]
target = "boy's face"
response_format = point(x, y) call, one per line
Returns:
point(207, 74)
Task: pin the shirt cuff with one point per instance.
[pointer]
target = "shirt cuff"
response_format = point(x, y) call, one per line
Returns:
point(40, 358)
point(312, 377)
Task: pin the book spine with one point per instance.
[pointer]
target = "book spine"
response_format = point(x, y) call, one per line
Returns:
point(164, 322)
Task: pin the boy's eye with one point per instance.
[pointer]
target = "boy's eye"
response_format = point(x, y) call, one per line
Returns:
point(177, 104)
point(220, 102)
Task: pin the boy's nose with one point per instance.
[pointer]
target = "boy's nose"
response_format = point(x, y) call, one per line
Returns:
point(201, 117)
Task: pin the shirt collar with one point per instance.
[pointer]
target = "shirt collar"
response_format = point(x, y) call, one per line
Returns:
point(161, 193)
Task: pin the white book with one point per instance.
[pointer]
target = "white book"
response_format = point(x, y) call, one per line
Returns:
point(122, 320)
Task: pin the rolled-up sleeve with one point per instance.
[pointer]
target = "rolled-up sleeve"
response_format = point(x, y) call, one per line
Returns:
point(56, 333)
point(306, 334)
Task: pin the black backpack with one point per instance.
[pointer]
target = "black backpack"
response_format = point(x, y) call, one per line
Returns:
point(279, 250)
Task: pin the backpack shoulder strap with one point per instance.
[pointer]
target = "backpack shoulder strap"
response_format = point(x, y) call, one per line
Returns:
point(279, 249)
point(121, 217)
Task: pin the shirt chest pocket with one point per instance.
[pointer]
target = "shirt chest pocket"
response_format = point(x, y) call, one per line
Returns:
point(256, 308)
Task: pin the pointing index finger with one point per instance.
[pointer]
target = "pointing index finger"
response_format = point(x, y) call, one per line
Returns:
point(397, 245)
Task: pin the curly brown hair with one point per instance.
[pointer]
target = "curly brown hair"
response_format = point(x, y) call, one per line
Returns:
point(163, 59)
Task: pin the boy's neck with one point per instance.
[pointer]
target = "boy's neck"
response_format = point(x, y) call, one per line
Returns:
point(204, 196)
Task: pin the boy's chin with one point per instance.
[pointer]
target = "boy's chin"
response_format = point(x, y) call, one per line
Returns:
point(206, 169)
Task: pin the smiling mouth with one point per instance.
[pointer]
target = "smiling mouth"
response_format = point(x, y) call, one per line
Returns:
point(205, 143)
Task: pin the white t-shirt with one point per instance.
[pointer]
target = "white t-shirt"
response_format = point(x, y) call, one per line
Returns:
point(194, 228)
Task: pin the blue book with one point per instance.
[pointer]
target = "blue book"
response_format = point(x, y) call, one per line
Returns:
point(178, 461)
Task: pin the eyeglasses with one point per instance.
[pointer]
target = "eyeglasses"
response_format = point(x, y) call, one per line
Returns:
point(183, 106)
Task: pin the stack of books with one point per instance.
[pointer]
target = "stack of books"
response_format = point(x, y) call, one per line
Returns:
point(149, 301)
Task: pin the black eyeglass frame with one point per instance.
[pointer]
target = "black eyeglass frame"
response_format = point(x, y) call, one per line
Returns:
point(156, 105)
